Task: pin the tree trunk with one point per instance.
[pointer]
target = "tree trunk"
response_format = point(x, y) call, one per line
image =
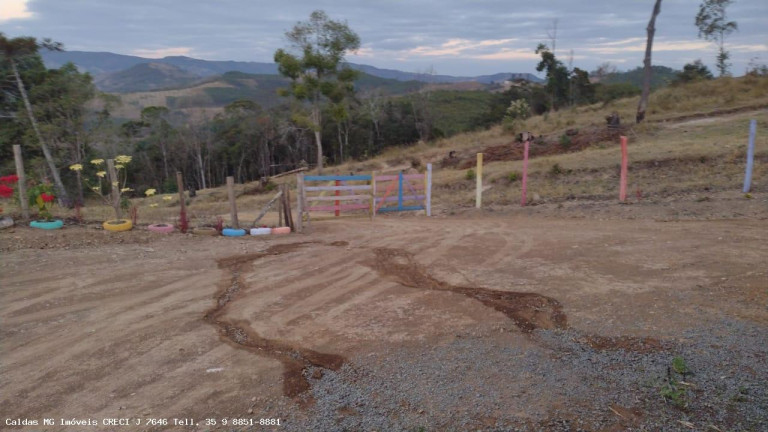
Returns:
point(641, 107)
point(61, 192)
point(318, 136)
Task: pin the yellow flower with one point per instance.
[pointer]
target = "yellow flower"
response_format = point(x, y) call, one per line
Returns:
point(123, 159)
point(150, 192)
point(168, 197)
point(115, 184)
point(126, 190)
point(119, 166)
point(97, 161)
point(101, 173)
point(153, 205)
point(76, 167)
point(96, 189)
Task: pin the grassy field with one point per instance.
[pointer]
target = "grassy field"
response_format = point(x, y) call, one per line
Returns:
point(694, 142)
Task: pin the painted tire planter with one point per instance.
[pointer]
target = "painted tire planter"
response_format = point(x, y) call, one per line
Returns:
point(281, 230)
point(118, 225)
point(260, 231)
point(5, 222)
point(48, 225)
point(207, 231)
point(161, 228)
point(233, 232)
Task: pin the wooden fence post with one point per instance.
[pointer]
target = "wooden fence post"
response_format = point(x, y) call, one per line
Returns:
point(22, 181)
point(526, 147)
point(232, 204)
point(429, 190)
point(479, 182)
point(750, 155)
point(623, 179)
point(373, 195)
point(115, 183)
point(300, 200)
point(182, 203)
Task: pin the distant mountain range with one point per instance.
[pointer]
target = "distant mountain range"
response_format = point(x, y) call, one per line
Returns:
point(123, 73)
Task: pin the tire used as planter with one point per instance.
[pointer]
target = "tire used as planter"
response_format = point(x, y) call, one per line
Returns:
point(260, 231)
point(161, 228)
point(118, 225)
point(233, 232)
point(48, 225)
point(6, 222)
point(207, 231)
point(281, 230)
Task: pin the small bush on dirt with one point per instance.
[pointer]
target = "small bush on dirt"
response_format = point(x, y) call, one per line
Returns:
point(672, 389)
point(513, 176)
point(556, 170)
point(565, 141)
point(470, 175)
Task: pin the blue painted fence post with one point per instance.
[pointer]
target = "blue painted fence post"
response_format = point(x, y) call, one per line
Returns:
point(750, 155)
point(400, 192)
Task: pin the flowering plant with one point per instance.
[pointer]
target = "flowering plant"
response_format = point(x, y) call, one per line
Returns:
point(42, 196)
point(7, 186)
point(118, 185)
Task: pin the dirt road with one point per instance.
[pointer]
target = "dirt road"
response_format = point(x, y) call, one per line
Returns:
point(146, 327)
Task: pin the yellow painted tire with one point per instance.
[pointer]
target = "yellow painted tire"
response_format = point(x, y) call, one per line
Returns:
point(118, 225)
point(208, 231)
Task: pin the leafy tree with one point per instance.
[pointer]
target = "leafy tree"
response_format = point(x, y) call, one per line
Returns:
point(60, 108)
point(314, 66)
point(16, 50)
point(557, 76)
point(714, 26)
point(695, 71)
point(582, 90)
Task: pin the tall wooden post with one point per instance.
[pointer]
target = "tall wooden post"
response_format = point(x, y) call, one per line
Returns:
point(429, 190)
point(623, 179)
point(115, 183)
point(232, 204)
point(22, 181)
point(479, 183)
point(526, 147)
point(373, 194)
point(300, 200)
point(182, 203)
point(750, 156)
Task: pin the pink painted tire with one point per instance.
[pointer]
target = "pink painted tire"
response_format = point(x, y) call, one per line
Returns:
point(161, 228)
point(281, 230)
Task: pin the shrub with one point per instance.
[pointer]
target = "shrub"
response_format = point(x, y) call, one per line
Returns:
point(470, 175)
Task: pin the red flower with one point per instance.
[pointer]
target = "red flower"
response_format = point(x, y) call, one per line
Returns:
point(13, 178)
point(5, 191)
point(46, 197)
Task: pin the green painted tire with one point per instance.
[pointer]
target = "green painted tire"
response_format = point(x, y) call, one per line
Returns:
point(47, 225)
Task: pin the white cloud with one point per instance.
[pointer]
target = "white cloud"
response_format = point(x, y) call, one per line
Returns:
point(162, 52)
point(14, 9)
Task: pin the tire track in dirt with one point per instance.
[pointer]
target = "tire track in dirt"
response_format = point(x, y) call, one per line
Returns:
point(295, 360)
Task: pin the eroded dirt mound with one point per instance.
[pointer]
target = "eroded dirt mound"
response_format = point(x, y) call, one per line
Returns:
point(572, 140)
point(529, 311)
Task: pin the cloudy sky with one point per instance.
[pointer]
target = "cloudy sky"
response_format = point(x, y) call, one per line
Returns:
point(453, 37)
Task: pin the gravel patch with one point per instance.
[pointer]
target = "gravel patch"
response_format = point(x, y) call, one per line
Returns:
point(712, 378)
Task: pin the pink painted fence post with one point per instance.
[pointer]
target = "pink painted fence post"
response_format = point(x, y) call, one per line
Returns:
point(623, 180)
point(524, 199)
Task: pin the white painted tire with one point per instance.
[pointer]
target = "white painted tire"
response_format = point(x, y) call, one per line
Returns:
point(260, 231)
